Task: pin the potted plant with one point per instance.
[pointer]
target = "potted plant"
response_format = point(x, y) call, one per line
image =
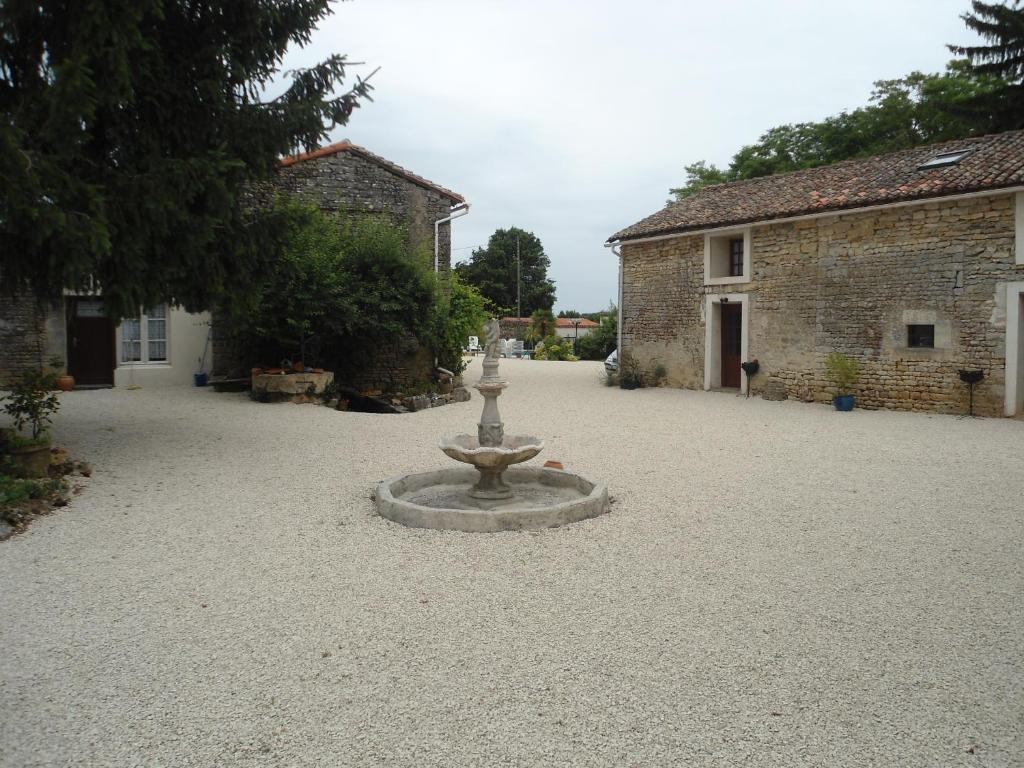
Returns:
point(65, 381)
point(844, 373)
point(31, 404)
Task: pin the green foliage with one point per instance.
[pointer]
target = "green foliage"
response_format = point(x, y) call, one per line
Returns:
point(338, 289)
point(601, 341)
point(131, 131)
point(14, 489)
point(457, 317)
point(1003, 59)
point(542, 325)
point(31, 401)
point(631, 373)
point(554, 348)
point(569, 313)
point(903, 113)
point(492, 271)
point(842, 371)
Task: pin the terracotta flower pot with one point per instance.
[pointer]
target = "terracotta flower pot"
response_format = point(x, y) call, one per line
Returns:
point(66, 382)
point(256, 371)
point(274, 371)
point(298, 366)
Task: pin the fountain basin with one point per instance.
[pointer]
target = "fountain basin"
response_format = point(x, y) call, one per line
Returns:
point(514, 449)
point(541, 498)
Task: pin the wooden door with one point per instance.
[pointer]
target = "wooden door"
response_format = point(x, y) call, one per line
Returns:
point(732, 338)
point(90, 343)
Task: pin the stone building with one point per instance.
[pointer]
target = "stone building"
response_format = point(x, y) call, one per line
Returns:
point(346, 178)
point(911, 262)
point(165, 344)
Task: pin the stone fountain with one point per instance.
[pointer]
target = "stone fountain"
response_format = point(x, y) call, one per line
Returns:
point(490, 496)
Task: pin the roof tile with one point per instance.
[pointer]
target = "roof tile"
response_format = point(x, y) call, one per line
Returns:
point(995, 162)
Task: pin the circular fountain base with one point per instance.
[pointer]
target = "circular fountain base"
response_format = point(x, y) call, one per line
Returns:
point(541, 498)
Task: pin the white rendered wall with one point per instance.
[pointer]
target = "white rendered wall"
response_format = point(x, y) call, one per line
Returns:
point(186, 337)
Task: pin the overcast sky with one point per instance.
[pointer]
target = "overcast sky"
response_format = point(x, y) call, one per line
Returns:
point(573, 118)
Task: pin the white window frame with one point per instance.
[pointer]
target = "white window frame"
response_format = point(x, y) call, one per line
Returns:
point(726, 236)
point(143, 319)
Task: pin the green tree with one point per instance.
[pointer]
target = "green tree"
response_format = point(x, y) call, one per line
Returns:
point(906, 112)
point(129, 132)
point(601, 341)
point(460, 314)
point(569, 313)
point(1003, 58)
point(492, 270)
point(542, 325)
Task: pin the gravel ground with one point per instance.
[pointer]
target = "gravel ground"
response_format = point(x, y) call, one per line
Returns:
point(777, 585)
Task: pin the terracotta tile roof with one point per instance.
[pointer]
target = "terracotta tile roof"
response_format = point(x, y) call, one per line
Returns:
point(347, 146)
point(570, 322)
point(994, 162)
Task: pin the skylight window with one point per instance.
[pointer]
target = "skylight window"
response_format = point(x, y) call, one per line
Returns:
point(945, 158)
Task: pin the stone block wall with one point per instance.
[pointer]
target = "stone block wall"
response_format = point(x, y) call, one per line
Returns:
point(30, 336)
point(347, 183)
point(849, 283)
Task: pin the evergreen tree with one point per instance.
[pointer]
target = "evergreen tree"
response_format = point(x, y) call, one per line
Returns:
point(129, 132)
point(492, 270)
point(1003, 27)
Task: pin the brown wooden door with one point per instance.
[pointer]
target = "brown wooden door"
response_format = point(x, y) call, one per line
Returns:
point(732, 337)
point(90, 343)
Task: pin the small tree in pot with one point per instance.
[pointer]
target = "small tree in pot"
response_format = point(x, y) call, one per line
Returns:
point(31, 404)
point(843, 372)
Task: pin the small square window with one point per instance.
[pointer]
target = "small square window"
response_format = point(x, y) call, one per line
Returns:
point(943, 159)
point(921, 336)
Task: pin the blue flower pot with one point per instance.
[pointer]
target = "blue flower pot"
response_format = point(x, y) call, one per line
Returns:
point(843, 402)
point(199, 379)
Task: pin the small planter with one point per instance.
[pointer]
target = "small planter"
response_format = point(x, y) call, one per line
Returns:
point(29, 460)
point(298, 366)
point(200, 379)
point(843, 402)
point(66, 383)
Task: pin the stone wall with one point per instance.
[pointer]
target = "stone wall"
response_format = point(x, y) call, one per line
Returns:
point(30, 336)
point(849, 283)
point(346, 182)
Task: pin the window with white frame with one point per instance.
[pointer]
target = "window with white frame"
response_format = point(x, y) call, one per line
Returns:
point(727, 257)
point(144, 338)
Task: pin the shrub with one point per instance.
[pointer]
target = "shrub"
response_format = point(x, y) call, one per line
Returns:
point(842, 371)
point(555, 348)
point(457, 317)
point(631, 374)
point(338, 289)
point(32, 402)
point(601, 341)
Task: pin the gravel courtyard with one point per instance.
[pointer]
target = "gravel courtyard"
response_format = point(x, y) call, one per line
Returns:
point(777, 585)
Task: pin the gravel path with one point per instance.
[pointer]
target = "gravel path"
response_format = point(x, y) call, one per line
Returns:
point(776, 585)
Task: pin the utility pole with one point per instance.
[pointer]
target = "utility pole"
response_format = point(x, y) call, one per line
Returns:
point(519, 308)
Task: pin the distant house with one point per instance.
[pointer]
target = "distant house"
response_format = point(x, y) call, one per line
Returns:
point(912, 262)
point(573, 327)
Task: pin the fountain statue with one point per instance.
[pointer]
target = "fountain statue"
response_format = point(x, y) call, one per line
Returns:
point(450, 499)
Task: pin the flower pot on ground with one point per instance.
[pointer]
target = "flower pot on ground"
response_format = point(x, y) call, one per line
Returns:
point(27, 457)
point(843, 372)
point(200, 379)
point(65, 382)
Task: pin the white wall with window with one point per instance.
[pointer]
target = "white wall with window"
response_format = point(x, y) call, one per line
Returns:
point(163, 345)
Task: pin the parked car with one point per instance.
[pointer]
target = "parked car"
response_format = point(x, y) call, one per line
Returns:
point(611, 363)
